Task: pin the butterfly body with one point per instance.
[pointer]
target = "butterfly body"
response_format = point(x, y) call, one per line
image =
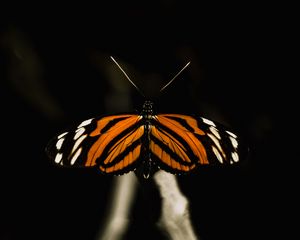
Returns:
point(117, 144)
point(147, 114)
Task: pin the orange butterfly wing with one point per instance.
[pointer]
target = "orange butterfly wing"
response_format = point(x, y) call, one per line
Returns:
point(112, 143)
point(180, 143)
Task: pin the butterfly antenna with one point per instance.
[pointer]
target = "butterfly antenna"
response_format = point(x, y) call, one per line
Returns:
point(127, 76)
point(174, 77)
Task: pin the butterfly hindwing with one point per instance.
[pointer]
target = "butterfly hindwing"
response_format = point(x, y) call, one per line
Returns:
point(112, 143)
point(180, 143)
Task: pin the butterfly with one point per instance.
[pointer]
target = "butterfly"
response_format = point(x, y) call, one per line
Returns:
point(119, 143)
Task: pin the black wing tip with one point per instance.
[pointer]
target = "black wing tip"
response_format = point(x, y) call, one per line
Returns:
point(49, 149)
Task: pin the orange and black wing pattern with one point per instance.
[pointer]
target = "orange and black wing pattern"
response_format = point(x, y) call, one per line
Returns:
point(181, 143)
point(111, 143)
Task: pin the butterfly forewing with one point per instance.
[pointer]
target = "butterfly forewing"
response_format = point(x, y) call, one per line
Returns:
point(112, 143)
point(180, 143)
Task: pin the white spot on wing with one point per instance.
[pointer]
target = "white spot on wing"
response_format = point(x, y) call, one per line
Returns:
point(79, 132)
point(78, 142)
point(232, 134)
point(62, 135)
point(58, 157)
point(234, 142)
point(235, 156)
point(209, 122)
point(215, 132)
point(59, 143)
point(84, 123)
point(216, 141)
point(218, 155)
point(76, 155)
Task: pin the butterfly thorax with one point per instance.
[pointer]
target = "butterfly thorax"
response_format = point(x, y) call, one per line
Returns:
point(147, 114)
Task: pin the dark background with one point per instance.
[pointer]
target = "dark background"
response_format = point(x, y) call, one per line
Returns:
point(54, 74)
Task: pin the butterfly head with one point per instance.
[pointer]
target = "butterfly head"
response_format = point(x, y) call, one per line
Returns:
point(147, 108)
